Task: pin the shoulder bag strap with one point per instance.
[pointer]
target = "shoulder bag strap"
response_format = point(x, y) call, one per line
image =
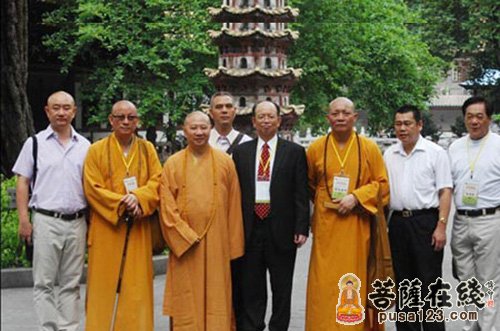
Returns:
point(235, 143)
point(35, 162)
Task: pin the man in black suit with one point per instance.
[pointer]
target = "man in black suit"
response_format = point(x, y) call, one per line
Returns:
point(275, 202)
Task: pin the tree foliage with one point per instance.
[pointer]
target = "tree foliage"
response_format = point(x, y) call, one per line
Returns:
point(441, 26)
point(430, 128)
point(463, 28)
point(458, 127)
point(363, 50)
point(151, 52)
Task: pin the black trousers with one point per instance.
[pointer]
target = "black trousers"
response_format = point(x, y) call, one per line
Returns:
point(236, 288)
point(262, 256)
point(414, 257)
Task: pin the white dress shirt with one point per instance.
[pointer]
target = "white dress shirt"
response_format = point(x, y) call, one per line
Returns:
point(223, 143)
point(416, 178)
point(272, 143)
point(486, 170)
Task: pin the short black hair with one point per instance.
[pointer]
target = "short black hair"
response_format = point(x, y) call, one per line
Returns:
point(417, 114)
point(473, 101)
point(220, 94)
point(349, 282)
point(278, 109)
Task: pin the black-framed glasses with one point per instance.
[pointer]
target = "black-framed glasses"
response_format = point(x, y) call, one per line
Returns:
point(122, 118)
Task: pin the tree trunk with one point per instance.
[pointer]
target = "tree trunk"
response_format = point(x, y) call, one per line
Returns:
point(17, 120)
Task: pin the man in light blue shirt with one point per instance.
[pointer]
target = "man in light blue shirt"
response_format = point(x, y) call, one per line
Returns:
point(58, 229)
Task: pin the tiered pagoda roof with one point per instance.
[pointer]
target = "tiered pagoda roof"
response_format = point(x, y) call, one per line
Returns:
point(253, 45)
point(218, 36)
point(238, 72)
point(253, 14)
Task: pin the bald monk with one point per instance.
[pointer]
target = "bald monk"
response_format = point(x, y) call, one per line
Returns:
point(202, 223)
point(346, 175)
point(121, 176)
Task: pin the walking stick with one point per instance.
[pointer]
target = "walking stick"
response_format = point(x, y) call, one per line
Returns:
point(128, 220)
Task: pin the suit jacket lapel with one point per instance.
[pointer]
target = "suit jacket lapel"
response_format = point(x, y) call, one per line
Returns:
point(252, 154)
point(278, 158)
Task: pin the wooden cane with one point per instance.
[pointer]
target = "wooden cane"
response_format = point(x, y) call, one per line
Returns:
point(128, 220)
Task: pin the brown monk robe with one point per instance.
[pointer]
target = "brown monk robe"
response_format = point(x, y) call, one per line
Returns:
point(202, 223)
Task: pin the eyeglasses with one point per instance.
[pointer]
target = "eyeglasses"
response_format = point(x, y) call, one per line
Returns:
point(122, 118)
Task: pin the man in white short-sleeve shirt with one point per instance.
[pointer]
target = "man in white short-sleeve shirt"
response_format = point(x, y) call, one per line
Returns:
point(420, 184)
point(223, 136)
point(58, 205)
point(475, 166)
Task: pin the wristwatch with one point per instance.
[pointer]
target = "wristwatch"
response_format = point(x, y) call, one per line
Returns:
point(443, 220)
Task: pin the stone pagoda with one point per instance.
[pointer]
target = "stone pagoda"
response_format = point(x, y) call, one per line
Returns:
point(253, 44)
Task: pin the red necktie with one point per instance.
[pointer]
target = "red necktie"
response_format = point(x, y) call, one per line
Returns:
point(262, 209)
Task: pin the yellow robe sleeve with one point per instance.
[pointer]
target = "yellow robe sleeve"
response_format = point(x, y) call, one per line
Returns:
point(102, 200)
point(377, 183)
point(234, 215)
point(176, 231)
point(148, 194)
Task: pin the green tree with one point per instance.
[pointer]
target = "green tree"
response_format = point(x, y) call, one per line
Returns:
point(483, 32)
point(430, 128)
point(463, 28)
point(441, 26)
point(363, 50)
point(151, 52)
point(459, 127)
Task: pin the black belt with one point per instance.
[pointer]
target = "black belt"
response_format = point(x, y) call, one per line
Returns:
point(409, 213)
point(477, 212)
point(65, 217)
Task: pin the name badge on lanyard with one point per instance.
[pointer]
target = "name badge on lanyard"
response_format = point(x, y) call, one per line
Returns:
point(130, 183)
point(262, 194)
point(470, 193)
point(340, 186)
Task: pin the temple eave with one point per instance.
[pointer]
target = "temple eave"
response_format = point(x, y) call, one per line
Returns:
point(285, 110)
point(238, 73)
point(234, 14)
point(226, 33)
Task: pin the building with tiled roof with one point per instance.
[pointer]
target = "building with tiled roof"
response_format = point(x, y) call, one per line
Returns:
point(446, 105)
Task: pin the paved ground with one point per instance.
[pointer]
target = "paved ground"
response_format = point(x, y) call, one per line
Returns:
point(17, 313)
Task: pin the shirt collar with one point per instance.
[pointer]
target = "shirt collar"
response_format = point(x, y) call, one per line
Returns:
point(271, 143)
point(477, 141)
point(49, 133)
point(419, 146)
point(214, 135)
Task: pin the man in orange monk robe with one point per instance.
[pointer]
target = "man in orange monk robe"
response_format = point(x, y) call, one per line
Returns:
point(202, 224)
point(346, 174)
point(121, 174)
